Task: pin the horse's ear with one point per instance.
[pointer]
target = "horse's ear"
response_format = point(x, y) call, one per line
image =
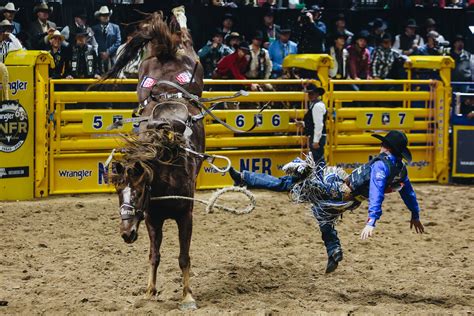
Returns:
point(118, 168)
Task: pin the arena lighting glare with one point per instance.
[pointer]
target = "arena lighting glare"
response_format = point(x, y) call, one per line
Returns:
point(471, 28)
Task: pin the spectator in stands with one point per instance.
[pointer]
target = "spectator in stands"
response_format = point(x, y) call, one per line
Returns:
point(41, 27)
point(212, 52)
point(359, 57)
point(467, 108)
point(108, 38)
point(130, 71)
point(408, 42)
point(383, 58)
point(430, 25)
point(8, 41)
point(84, 62)
point(9, 11)
point(270, 29)
point(311, 31)
point(462, 62)
point(340, 27)
point(432, 47)
point(233, 40)
point(79, 25)
point(279, 49)
point(377, 30)
point(235, 65)
point(260, 65)
point(340, 56)
point(227, 24)
point(61, 55)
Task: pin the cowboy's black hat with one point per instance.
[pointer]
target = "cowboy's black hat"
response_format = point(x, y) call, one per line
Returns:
point(378, 23)
point(363, 34)
point(458, 37)
point(340, 17)
point(411, 23)
point(228, 16)
point(269, 12)
point(244, 46)
point(397, 141)
point(311, 88)
point(339, 35)
point(79, 13)
point(258, 35)
point(284, 30)
point(218, 31)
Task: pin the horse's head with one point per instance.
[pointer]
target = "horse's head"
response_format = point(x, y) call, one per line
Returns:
point(132, 184)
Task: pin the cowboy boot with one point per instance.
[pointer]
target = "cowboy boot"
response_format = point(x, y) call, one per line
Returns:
point(333, 260)
point(237, 177)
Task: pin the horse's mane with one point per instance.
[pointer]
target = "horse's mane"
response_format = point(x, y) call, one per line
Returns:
point(154, 30)
point(146, 152)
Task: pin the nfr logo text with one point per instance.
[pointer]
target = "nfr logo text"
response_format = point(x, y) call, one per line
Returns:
point(260, 165)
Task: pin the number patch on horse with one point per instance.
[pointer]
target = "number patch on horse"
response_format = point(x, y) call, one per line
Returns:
point(148, 82)
point(184, 77)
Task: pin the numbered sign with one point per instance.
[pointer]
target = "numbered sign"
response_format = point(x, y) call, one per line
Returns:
point(268, 120)
point(98, 122)
point(385, 119)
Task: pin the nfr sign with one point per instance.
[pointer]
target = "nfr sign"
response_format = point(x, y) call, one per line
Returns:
point(260, 165)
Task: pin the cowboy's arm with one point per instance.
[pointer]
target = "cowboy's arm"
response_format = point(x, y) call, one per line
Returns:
point(409, 198)
point(15, 43)
point(269, 65)
point(378, 180)
point(118, 40)
point(318, 112)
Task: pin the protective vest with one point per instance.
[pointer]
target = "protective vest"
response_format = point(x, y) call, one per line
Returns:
point(309, 122)
point(82, 62)
point(359, 179)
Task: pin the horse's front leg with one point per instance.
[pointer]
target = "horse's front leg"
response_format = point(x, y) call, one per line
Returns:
point(185, 227)
point(155, 232)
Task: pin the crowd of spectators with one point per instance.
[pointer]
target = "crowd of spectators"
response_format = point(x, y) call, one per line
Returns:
point(87, 49)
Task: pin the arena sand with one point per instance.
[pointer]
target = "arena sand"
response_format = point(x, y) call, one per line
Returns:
point(63, 255)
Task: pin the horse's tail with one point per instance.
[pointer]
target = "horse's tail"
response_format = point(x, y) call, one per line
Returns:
point(153, 30)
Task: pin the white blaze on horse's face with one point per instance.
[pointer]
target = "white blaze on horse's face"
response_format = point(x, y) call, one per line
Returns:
point(130, 217)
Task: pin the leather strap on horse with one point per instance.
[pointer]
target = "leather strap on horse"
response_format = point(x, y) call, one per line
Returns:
point(199, 102)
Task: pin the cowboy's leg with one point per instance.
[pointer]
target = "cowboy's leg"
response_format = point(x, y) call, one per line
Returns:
point(318, 154)
point(329, 237)
point(265, 181)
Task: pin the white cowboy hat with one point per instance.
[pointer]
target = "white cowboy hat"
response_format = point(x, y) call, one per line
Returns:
point(5, 23)
point(104, 10)
point(43, 6)
point(10, 6)
point(56, 34)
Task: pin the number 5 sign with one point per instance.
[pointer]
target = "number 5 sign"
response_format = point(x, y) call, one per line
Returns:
point(385, 119)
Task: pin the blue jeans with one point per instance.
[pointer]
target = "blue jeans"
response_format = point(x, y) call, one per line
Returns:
point(284, 184)
point(265, 181)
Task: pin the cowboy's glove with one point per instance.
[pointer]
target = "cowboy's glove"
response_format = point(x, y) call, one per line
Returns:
point(180, 15)
point(366, 232)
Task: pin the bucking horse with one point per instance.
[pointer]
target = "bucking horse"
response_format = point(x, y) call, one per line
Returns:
point(164, 158)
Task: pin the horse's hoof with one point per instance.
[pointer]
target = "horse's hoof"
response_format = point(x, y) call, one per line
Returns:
point(187, 306)
point(150, 293)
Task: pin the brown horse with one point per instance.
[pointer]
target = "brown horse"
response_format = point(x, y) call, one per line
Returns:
point(154, 163)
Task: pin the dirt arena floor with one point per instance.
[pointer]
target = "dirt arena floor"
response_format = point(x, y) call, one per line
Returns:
point(64, 255)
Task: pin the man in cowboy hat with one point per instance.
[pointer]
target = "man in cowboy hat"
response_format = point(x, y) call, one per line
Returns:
point(61, 55)
point(79, 25)
point(377, 30)
point(311, 31)
point(8, 41)
point(279, 49)
point(260, 66)
point(408, 42)
point(341, 27)
point(42, 27)
point(383, 174)
point(108, 38)
point(235, 65)
point(270, 30)
point(462, 61)
point(9, 11)
point(212, 52)
point(84, 62)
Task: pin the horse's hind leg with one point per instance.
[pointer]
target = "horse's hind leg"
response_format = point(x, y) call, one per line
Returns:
point(155, 232)
point(185, 227)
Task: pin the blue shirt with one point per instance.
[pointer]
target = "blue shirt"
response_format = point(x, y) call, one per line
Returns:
point(378, 179)
point(278, 51)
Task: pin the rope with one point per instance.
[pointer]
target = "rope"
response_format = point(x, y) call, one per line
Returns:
point(211, 203)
